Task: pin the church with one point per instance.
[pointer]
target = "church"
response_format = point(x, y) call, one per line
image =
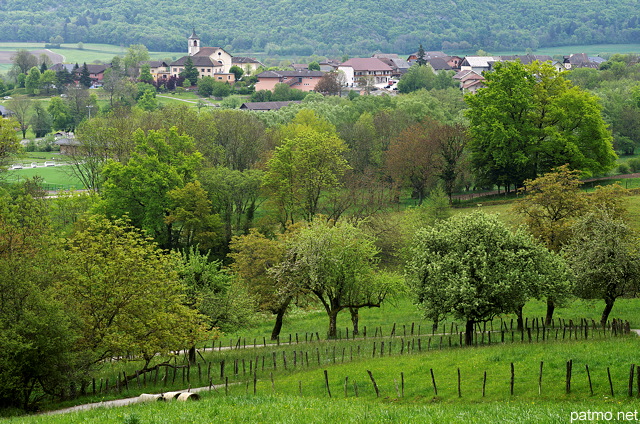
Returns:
point(209, 61)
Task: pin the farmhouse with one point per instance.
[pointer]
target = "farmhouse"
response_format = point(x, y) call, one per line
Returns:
point(302, 80)
point(365, 67)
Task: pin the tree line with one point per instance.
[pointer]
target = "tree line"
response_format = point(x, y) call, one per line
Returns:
point(321, 30)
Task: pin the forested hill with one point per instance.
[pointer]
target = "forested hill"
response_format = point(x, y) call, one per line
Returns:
point(327, 27)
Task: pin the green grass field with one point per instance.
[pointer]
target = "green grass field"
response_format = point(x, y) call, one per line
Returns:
point(89, 53)
point(300, 395)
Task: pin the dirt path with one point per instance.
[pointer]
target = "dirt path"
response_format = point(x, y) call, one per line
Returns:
point(469, 196)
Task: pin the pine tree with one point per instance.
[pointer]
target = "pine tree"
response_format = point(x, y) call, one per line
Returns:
point(85, 78)
point(190, 72)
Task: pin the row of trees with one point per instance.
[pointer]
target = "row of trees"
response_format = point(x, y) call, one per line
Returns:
point(474, 268)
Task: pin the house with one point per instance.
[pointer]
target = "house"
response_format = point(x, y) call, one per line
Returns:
point(248, 65)
point(470, 81)
point(365, 67)
point(68, 143)
point(299, 66)
point(302, 80)
point(209, 61)
point(265, 106)
point(438, 64)
point(96, 72)
point(398, 66)
point(478, 64)
point(527, 59)
point(427, 55)
point(329, 65)
point(454, 62)
point(159, 69)
point(579, 60)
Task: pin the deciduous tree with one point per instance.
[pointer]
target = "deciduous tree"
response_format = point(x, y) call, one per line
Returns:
point(337, 264)
point(472, 267)
point(604, 254)
point(530, 119)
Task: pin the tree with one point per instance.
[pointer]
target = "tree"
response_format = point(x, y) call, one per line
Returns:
point(237, 72)
point(162, 161)
point(114, 83)
point(23, 61)
point(136, 53)
point(215, 293)
point(313, 66)
point(306, 164)
point(38, 357)
point(205, 86)
point(416, 78)
point(192, 220)
point(604, 254)
point(60, 114)
point(529, 120)
point(253, 256)
point(85, 76)
point(336, 264)
point(413, 158)
point(145, 74)
point(420, 60)
point(40, 120)
point(190, 72)
point(472, 267)
point(63, 79)
point(9, 142)
point(32, 83)
point(328, 84)
point(234, 196)
point(20, 106)
point(452, 142)
point(148, 101)
point(48, 80)
point(79, 103)
point(126, 293)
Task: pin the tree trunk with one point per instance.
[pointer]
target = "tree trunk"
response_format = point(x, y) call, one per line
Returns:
point(279, 317)
point(551, 306)
point(520, 320)
point(468, 333)
point(354, 320)
point(192, 355)
point(333, 324)
point(608, 306)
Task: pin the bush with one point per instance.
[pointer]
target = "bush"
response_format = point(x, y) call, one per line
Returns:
point(624, 168)
point(634, 164)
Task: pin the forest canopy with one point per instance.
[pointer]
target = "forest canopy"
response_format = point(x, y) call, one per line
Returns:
point(332, 28)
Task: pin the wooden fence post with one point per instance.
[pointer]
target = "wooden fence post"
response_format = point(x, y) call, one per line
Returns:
point(375, 386)
point(433, 380)
point(326, 382)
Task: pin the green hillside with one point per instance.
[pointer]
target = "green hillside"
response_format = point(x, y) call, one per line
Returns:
point(287, 27)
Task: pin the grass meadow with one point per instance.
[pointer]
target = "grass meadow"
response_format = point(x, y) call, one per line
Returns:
point(406, 390)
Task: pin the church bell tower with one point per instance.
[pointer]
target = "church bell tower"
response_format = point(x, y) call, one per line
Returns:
point(194, 43)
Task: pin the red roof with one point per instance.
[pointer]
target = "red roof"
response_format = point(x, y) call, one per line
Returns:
point(367, 64)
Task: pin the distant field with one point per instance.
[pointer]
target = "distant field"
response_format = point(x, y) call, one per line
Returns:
point(55, 177)
point(71, 54)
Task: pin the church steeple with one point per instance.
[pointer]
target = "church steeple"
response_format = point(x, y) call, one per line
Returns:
point(194, 43)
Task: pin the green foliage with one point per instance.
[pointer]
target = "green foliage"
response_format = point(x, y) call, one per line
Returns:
point(604, 253)
point(35, 329)
point(417, 77)
point(215, 292)
point(237, 72)
point(190, 73)
point(337, 264)
point(530, 119)
point(474, 268)
point(309, 162)
point(163, 160)
point(126, 293)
